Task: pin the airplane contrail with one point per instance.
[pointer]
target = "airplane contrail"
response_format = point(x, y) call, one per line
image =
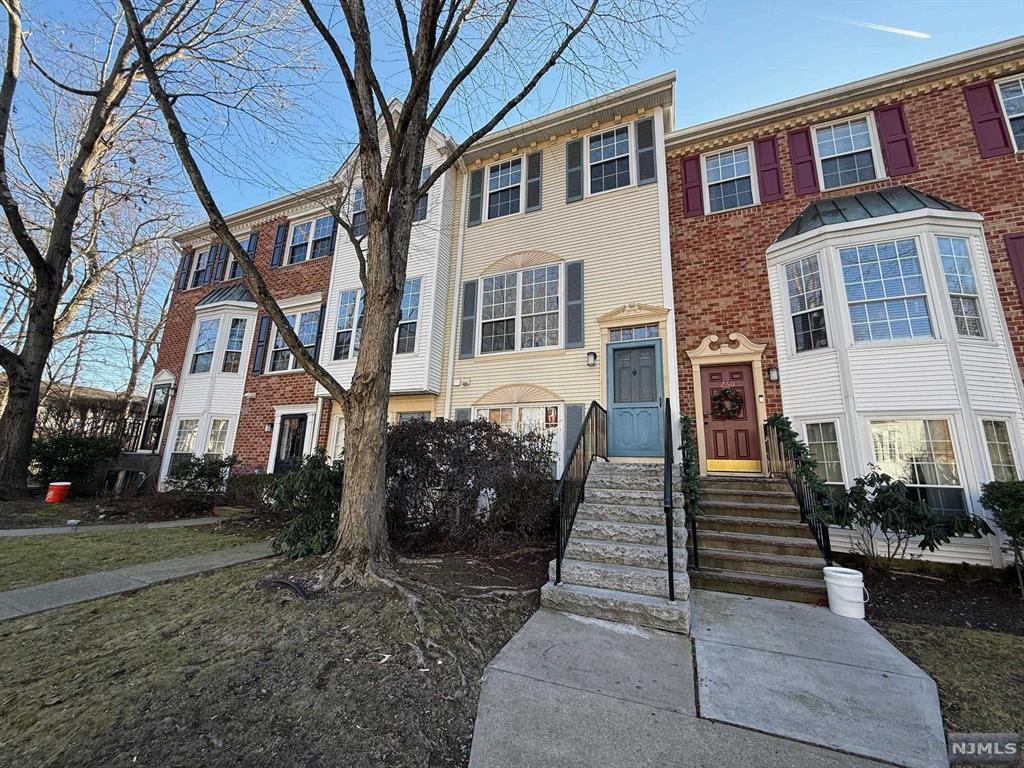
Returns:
point(883, 28)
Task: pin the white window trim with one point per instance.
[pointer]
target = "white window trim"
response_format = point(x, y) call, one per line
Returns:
point(630, 154)
point(983, 313)
point(487, 192)
point(243, 240)
point(876, 151)
point(519, 313)
point(309, 410)
point(837, 423)
point(355, 321)
point(336, 430)
point(1014, 434)
point(194, 340)
point(227, 320)
point(298, 310)
point(962, 457)
point(1002, 108)
point(822, 257)
point(194, 268)
point(309, 218)
point(706, 184)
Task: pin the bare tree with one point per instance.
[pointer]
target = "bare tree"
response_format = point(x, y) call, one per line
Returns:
point(453, 52)
point(67, 207)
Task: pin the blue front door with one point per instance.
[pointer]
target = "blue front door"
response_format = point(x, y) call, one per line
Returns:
point(634, 399)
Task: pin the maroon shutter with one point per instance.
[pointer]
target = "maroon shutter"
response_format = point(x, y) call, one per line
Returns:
point(1015, 250)
point(894, 136)
point(801, 157)
point(987, 118)
point(769, 176)
point(693, 195)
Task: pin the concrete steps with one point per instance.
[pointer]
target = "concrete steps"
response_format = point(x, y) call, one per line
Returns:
point(751, 541)
point(616, 562)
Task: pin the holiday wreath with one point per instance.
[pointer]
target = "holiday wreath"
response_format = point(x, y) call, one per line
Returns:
point(726, 404)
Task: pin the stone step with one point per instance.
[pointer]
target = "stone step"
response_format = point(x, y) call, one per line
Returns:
point(630, 497)
point(783, 497)
point(717, 508)
point(760, 585)
point(645, 610)
point(621, 578)
point(626, 533)
point(756, 525)
point(639, 555)
point(620, 513)
point(625, 480)
point(755, 562)
point(744, 484)
point(749, 542)
point(653, 469)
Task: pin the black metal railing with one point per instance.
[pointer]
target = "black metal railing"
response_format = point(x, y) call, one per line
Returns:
point(591, 442)
point(813, 502)
point(667, 502)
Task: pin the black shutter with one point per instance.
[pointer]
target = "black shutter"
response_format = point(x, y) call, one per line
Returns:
point(282, 235)
point(334, 235)
point(211, 263)
point(573, 422)
point(319, 332)
point(574, 305)
point(463, 414)
point(250, 248)
point(467, 333)
point(476, 198)
point(533, 174)
point(183, 271)
point(260, 352)
point(574, 171)
point(222, 262)
point(646, 164)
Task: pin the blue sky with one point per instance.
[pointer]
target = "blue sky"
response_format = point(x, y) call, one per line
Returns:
point(747, 53)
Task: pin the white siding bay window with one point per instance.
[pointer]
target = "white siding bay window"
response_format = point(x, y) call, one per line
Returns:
point(893, 352)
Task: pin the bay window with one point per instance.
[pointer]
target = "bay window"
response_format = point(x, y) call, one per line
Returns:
point(184, 441)
point(823, 444)
point(521, 310)
point(885, 291)
point(920, 452)
point(233, 346)
point(963, 290)
point(1000, 450)
point(806, 304)
point(216, 445)
point(206, 341)
point(305, 325)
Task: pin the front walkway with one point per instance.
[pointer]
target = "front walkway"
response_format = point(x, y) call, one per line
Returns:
point(56, 594)
point(774, 679)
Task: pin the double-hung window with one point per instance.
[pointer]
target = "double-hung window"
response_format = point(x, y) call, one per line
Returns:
point(155, 414)
point(351, 304)
point(963, 289)
point(1000, 449)
point(233, 346)
point(885, 291)
point(311, 239)
point(1011, 94)
point(420, 212)
point(847, 152)
point(728, 179)
point(504, 183)
point(521, 310)
point(609, 160)
point(921, 454)
point(823, 444)
point(217, 444)
point(206, 341)
point(184, 441)
point(305, 325)
point(204, 263)
point(806, 304)
point(359, 213)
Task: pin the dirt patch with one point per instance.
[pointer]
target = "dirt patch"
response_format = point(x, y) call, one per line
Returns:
point(150, 508)
point(225, 670)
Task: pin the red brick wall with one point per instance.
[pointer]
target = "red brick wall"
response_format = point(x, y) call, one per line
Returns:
point(252, 441)
point(719, 268)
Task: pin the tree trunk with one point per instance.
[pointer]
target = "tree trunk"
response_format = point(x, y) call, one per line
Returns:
point(17, 425)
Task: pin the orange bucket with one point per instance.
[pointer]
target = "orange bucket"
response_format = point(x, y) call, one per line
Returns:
point(57, 492)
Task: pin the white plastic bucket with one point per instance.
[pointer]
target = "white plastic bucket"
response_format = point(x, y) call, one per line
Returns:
point(846, 592)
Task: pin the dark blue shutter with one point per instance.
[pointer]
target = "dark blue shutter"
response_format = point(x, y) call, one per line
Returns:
point(476, 198)
point(646, 161)
point(534, 163)
point(574, 305)
point(211, 263)
point(278, 257)
point(319, 331)
point(467, 332)
point(260, 352)
point(184, 268)
point(574, 171)
point(463, 414)
point(573, 422)
point(222, 262)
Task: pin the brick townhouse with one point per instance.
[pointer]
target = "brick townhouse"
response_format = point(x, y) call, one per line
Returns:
point(854, 259)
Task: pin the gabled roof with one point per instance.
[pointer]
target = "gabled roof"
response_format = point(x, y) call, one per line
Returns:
point(863, 205)
point(235, 292)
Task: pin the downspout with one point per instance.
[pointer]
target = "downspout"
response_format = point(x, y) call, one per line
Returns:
point(455, 310)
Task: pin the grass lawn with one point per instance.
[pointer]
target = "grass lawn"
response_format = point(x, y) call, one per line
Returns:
point(35, 559)
point(225, 670)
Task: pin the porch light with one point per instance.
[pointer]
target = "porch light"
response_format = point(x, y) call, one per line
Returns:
point(773, 374)
point(591, 359)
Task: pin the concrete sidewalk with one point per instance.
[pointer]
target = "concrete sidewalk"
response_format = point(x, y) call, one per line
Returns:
point(805, 673)
point(15, 533)
point(57, 594)
point(568, 691)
